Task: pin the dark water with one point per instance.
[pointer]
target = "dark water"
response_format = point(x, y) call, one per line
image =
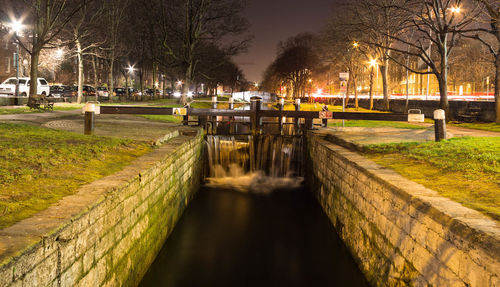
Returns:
point(226, 238)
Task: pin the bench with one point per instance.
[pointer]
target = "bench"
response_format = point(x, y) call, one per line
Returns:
point(471, 115)
point(41, 102)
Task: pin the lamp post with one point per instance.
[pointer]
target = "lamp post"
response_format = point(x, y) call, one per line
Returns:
point(130, 70)
point(16, 27)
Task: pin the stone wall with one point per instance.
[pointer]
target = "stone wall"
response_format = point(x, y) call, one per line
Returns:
point(487, 113)
point(400, 233)
point(109, 232)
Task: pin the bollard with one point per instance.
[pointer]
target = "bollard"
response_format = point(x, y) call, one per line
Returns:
point(231, 103)
point(214, 102)
point(440, 125)
point(89, 110)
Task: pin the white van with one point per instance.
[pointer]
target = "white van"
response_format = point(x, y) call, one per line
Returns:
point(8, 87)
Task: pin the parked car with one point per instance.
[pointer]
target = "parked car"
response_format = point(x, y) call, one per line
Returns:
point(89, 91)
point(60, 91)
point(119, 92)
point(102, 92)
point(8, 87)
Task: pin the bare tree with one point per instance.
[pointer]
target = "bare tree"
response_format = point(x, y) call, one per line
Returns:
point(436, 23)
point(45, 21)
point(83, 33)
point(114, 48)
point(490, 25)
point(377, 23)
point(187, 25)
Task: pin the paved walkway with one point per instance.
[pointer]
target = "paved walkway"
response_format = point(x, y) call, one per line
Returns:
point(357, 136)
point(122, 126)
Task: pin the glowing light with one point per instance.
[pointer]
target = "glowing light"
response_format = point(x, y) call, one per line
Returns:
point(177, 94)
point(455, 10)
point(356, 44)
point(16, 26)
point(59, 53)
point(179, 83)
point(310, 80)
point(131, 69)
point(190, 94)
point(319, 91)
point(256, 84)
point(373, 62)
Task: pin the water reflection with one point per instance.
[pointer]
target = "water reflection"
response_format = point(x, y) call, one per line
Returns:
point(227, 238)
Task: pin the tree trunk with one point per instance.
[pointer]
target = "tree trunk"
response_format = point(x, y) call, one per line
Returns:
point(371, 88)
point(356, 104)
point(80, 70)
point(34, 73)
point(94, 67)
point(384, 69)
point(187, 83)
point(497, 87)
point(111, 80)
point(154, 81)
point(347, 93)
point(443, 83)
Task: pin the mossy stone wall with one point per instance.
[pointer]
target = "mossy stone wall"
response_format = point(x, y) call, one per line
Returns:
point(399, 232)
point(111, 230)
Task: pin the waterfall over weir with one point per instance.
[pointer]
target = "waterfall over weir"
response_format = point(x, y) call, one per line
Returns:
point(254, 163)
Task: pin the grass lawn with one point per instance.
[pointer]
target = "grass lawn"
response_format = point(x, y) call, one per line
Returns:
point(492, 127)
point(26, 110)
point(466, 170)
point(40, 166)
point(375, 124)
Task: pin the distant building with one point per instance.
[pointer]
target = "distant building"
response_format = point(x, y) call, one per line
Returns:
point(7, 51)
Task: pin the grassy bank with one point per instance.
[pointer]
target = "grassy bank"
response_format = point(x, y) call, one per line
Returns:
point(40, 166)
point(492, 127)
point(466, 170)
point(26, 110)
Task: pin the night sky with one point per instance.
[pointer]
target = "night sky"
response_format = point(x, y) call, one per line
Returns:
point(276, 20)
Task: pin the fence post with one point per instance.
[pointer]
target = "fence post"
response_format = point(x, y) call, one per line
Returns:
point(256, 107)
point(297, 120)
point(281, 107)
point(214, 118)
point(440, 125)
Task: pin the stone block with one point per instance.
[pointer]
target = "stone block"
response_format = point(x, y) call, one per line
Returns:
point(43, 273)
point(71, 275)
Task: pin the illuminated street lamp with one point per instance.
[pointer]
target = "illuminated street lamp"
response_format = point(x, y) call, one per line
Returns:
point(455, 10)
point(130, 70)
point(59, 53)
point(355, 44)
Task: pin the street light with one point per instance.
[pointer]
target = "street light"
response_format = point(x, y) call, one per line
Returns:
point(16, 26)
point(59, 53)
point(355, 44)
point(131, 69)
